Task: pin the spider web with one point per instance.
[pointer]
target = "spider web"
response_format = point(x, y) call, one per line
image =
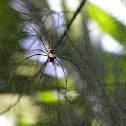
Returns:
point(95, 92)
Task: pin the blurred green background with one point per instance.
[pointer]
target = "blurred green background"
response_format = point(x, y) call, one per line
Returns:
point(95, 94)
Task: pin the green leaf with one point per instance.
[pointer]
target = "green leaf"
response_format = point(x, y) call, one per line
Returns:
point(108, 23)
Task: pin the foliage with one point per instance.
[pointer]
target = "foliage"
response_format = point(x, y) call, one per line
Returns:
point(95, 92)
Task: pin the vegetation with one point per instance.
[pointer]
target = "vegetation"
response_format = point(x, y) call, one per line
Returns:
point(95, 94)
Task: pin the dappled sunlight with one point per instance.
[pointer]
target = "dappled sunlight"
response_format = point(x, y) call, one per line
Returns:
point(111, 45)
point(73, 94)
point(73, 4)
point(58, 72)
point(5, 122)
point(51, 97)
point(26, 70)
point(62, 63)
point(26, 109)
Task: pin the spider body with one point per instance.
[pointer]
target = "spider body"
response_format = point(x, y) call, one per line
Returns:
point(51, 55)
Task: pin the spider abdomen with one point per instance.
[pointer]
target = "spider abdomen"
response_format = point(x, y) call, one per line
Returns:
point(51, 59)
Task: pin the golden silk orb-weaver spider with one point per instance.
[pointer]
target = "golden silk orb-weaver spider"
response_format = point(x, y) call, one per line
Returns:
point(51, 52)
point(52, 56)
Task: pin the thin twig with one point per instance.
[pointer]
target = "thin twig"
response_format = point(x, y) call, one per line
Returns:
point(71, 21)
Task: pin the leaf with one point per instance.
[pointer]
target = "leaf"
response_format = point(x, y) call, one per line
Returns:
point(108, 23)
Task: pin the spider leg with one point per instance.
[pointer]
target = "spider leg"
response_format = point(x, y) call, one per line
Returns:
point(42, 71)
point(26, 59)
point(20, 4)
point(64, 55)
point(40, 39)
point(65, 77)
point(56, 78)
point(75, 66)
point(38, 50)
point(55, 70)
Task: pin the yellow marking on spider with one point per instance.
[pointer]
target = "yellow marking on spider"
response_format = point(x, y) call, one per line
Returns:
point(51, 52)
point(50, 45)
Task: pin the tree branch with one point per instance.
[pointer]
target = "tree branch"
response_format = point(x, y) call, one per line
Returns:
point(71, 21)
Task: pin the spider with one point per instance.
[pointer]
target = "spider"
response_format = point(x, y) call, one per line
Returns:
point(52, 56)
